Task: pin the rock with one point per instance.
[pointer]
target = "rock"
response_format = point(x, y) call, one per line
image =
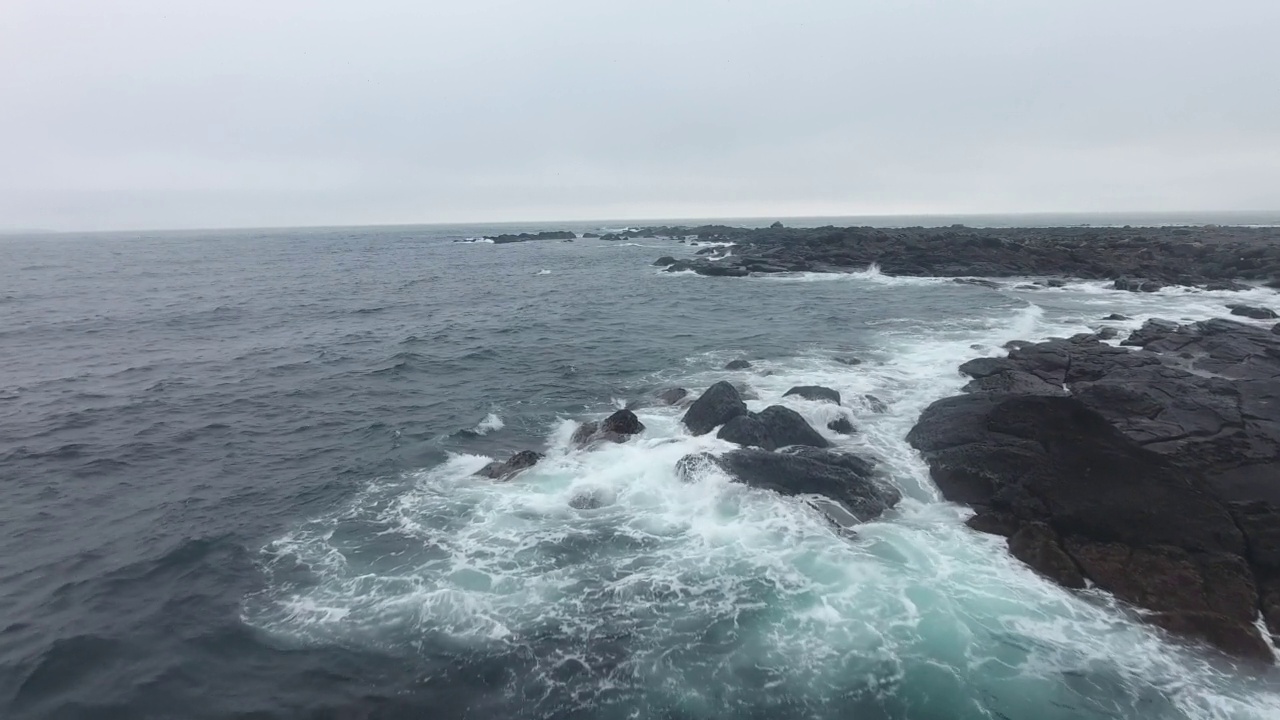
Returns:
point(814, 392)
point(717, 406)
point(847, 360)
point(993, 522)
point(671, 396)
point(522, 460)
point(1037, 545)
point(979, 282)
point(1055, 282)
point(737, 365)
point(622, 422)
point(664, 261)
point(786, 427)
point(876, 404)
point(842, 426)
point(774, 427)
point(584, 433)
point(1116, 316)
point(794, 474)
point(1257, 313)
point(777, 225)
point(1137, 285)
point(747, 431)
point(1159, 474)
point(1108, 333)
point(526, 237)
point(588, 500)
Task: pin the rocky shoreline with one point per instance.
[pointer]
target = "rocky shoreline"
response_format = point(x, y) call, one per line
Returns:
point(1150, 471)
point(1138, 258)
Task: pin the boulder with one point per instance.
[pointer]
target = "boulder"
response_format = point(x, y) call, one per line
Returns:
point(747, 431)
point(834, 476)
point(1116, 316)
point(618, 428)
point(785, 426)
point(522, 460)
point(717, 406)
point(664, 261)
point(814, 392)
point(671, 396)
point(622, 422)
point(1257, 313)
point(737, 365)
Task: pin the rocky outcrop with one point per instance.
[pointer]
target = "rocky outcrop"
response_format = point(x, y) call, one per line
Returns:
point(814, 392)
point(518, 462)
point(717, 406)
point(1137, 259)
point(1153, 472)
point(844, 478)
point(526, 237)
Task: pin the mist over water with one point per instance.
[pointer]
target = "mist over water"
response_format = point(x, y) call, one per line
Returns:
point(240, 480)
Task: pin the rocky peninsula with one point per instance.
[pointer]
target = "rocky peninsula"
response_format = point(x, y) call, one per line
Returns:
point(1138, 258)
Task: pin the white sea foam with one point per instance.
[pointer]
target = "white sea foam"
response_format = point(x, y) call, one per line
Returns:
point(722, 596)
point(490, 423)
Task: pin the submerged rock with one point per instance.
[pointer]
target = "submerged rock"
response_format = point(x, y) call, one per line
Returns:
point(842, 426)
point(522, 460)
point(717, 406)
point(1257, 313)
point(737, 365)
point(664, 261)
point(847, 360)
point(876, 404)
point(814, 392)
point(671, 396)
point(1137, 285)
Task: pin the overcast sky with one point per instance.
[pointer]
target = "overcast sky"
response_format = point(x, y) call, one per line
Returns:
point(199, 113)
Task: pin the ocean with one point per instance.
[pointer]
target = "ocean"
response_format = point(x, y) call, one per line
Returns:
point(237, 483)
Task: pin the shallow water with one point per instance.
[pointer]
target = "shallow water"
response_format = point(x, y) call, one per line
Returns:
point(238, 471)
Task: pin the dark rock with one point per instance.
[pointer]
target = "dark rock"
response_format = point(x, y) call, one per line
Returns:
point(747, 431)
point(522, 460)
point(978, 281)
point(1137, 285)
point(587, 501)
point(846, 360)
point(993, 522)
point(717, 406)
point(664, 261)
point(671, 396)
point(842, 426)
point(814, 392)
point(777, 225)
point(1055, 282)
point(1037, 545)
point(584, 433)
point(737, 365)
point(622, 422)
point(795, 474)
point(526, 237)
point(786, 427)
point(1116, 316)
point(1257, 313)
point(1108, 333)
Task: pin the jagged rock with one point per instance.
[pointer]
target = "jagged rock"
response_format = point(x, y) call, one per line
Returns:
point(522, 460)
point(717, 406)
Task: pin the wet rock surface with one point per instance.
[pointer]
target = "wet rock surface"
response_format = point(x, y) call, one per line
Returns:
point(1152, 470)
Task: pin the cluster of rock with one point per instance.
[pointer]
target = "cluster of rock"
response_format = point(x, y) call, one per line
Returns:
point(780, 452)
point(1152, 471)
point(1140, 259)
point(802, 463)
point(526, 237)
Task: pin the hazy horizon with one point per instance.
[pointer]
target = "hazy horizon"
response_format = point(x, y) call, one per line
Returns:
point(146, 115)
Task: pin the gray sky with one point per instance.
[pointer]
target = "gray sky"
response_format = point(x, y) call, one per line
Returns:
point(202, 113)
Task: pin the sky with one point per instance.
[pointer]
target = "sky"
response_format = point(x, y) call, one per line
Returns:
point(140, 114)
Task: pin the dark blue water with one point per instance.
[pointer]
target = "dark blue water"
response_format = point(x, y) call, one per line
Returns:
point(234, 486)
